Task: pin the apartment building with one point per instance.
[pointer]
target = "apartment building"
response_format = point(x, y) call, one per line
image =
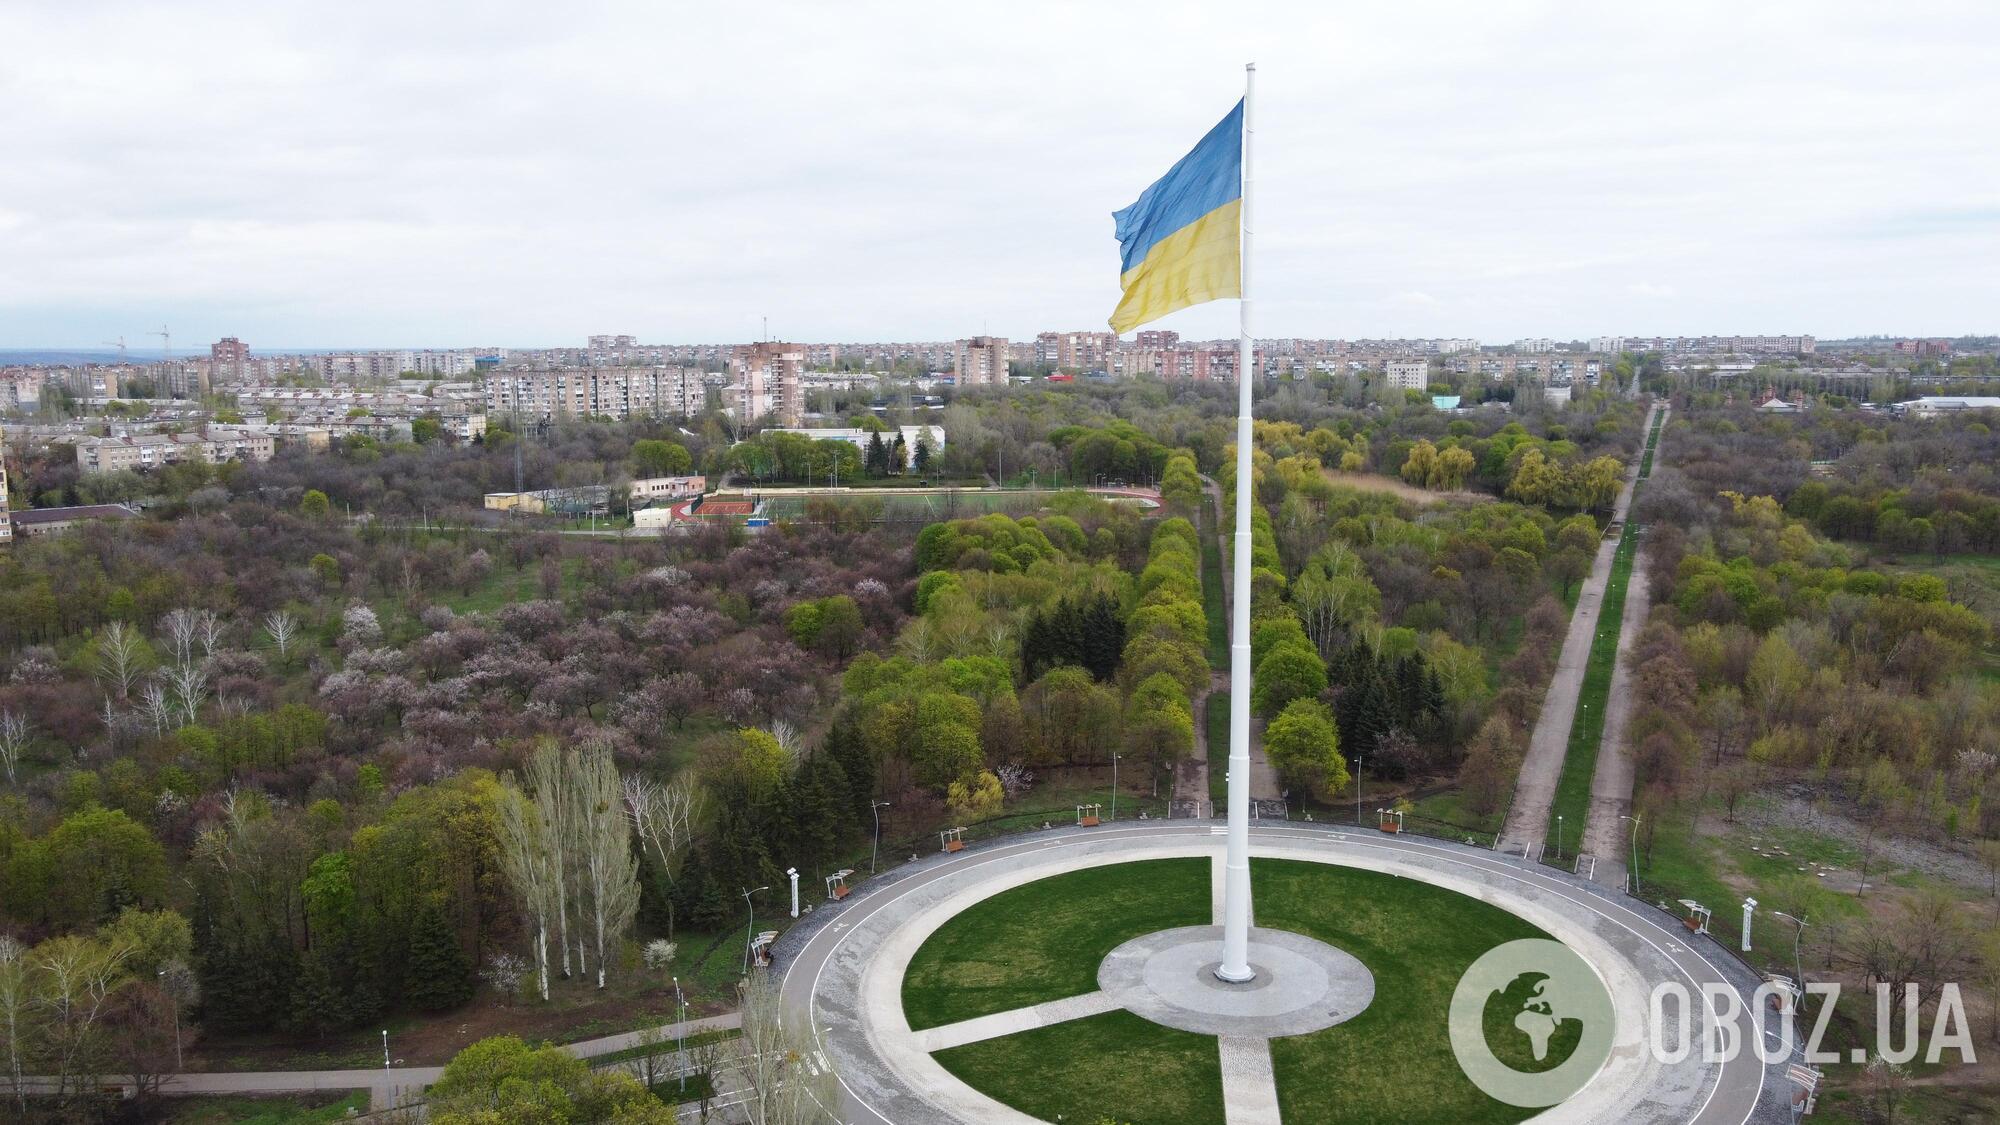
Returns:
point(226, 358)
point(619, 393)
point(140, 452)
point(981, 361)
point(1076, 352)
point(1408, 374)
point(768, 378)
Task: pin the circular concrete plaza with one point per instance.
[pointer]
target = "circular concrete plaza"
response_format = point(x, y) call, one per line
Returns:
point(911, 1047)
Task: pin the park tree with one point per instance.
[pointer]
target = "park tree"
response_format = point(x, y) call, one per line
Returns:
point(652, 457)
point(1286, 673)
point(1304, 745)
point(315, 505)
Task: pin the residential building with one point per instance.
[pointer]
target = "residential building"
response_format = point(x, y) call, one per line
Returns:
point(226, 358)
point(1607, 345)
point(1535, 346)
point(619, 393)
point(139, 452)
point(1408, 374)
point(981, 362)
point(1157, 338)
point(1077, 352)
point(767, 378)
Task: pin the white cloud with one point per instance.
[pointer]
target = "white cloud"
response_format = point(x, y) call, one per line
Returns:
point(375, 173)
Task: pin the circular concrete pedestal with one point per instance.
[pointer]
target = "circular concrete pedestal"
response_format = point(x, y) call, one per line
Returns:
point(1301, 984)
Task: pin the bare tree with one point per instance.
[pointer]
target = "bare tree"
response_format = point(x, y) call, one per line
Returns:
point(13, 1005)
point(530, 866)
point(187, 686)
point(15, 735)
point(179, 628)
point(282, 628)
point(209, 629)
point(78, 976)
point(664, 817)
point(553, 798)
point(153, 700)
point(611, 878)
point(788, 1079)
point(118, 656)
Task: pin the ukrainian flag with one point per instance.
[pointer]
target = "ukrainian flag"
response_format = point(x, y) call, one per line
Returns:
point(1182, 242)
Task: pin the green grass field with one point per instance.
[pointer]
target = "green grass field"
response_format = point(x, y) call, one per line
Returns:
point(1586, 730)
point(298, 1109)
point(1212, 600)
point(1218, 749)
point(1114, 1067)
point(1393, 1062)
point(1043, 941)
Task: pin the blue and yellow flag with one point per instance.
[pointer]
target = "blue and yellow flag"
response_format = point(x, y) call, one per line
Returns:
point(1182, 241)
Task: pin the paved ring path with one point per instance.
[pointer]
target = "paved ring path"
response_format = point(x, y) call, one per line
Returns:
point(850, 989)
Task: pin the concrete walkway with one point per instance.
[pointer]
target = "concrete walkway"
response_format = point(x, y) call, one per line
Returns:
point(1527, 824)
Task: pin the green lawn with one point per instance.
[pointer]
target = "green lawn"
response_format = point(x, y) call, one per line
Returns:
point(1212, 601)
point(1218, 750)
point(1112, 1067)
point(1044, 941)
point(297, 1109)
point(1586, 730)
point(1393, 1062)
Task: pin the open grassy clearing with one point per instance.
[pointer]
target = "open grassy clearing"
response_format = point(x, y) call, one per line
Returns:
point(1213, 602)
point(1045, 940)
point(1393, 1062)
point(1586, 731)
point(1111, 1067)
point(293, 1109)
point(1218, 749)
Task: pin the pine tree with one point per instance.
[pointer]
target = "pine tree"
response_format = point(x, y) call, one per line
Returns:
point(440, 974)
point(319, 1006)
point(876, 462)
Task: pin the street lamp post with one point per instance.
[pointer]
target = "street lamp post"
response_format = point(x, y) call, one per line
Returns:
point(1559, 835)
point(876, 807)
point(750, 934)
point(680, 1033)
point(174, 998)
point(385, 1050)
point(1358, 761)
point(1635, 851)
point(1114, 784)
point(1798, 936)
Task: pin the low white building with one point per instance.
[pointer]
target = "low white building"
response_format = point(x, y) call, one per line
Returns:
point(1931, 406)
point(932, 436)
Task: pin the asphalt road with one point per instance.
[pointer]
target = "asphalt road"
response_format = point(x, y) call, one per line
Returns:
point(824, 960)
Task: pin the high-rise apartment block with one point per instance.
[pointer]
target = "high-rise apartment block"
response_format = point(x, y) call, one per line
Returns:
point(1075, 352)
point(619, 393)
point(1158, 338)
point(981, 361)
point(226, 358)
point(768, 378)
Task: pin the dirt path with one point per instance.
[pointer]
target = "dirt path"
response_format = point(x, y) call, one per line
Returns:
point(1611, 785)
point(1527, 824)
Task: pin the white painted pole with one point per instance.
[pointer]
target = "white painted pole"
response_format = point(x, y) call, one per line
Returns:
point(794, 873)
point(1749, 908)
point(1235, 966)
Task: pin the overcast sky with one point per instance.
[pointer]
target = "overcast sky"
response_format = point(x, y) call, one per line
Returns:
point(366, 173)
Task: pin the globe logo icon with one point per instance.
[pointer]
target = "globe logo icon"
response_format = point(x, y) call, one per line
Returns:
point(1530, 1023)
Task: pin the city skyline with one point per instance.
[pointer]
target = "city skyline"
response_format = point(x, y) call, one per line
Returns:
point(1442, 170)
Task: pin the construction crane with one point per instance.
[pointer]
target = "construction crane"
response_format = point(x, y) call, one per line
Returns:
point(119, 343)
point(166, 341)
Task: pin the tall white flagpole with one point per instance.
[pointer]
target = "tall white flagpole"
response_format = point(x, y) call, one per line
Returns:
point(1235, 966)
